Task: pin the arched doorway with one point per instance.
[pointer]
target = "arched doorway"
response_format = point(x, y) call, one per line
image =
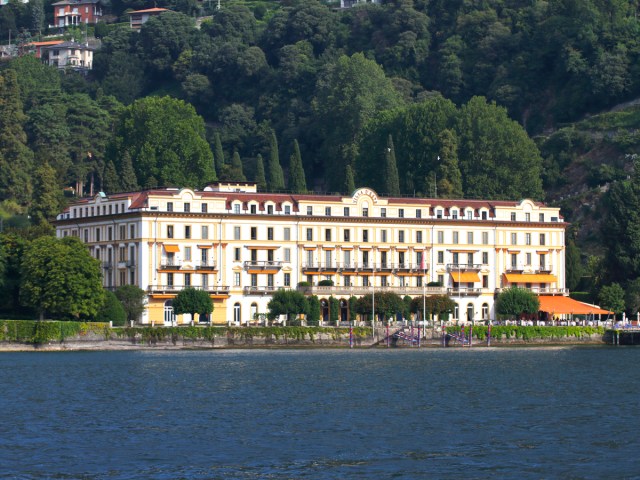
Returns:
point(470, 312)
point(236, 313)
point(254, 312)
point(169, 316)
point(324, 308)
point(344, 310)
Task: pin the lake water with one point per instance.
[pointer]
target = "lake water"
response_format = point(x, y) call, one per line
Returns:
point(322, 414)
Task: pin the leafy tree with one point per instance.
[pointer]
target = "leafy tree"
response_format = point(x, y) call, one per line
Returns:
point(387, 304)
point(112, 310)
point(313, 317)
point(611, 297)
point(110, 178)
point(128, 180)
point(192, 301)
point(449, 178)
point(36, 9)
point(12, 246)
point(236, 173)
point(392, 180)
point(632, 297)
point(165, 138)
point(16, 159)
point(353, 308)
point(132, 298)
point(440, 305)
point(218, 154)
point(47, 198)
point(124, 77)
point(275, 175)
point(260, 179)
point(334, 310)
point(287, 302)
point(516, 302)
point(61, 278)
point(297, 181)
point(406, 307)
point(573, 265)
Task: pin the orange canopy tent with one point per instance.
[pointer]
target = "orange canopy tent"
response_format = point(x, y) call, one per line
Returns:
point(565, 305)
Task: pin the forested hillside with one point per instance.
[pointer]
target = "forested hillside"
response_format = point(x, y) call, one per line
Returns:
point(493, 99)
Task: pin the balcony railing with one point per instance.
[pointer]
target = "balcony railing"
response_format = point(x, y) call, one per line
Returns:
point(263, 265)
point(107, 265)
point(462, 291)
point(262, 290)
point(363, 266)
point(464, 267)
point(544, 269)
point(205, 265)
point(167, 263)
point(541, 290)
point(211, 289)
point(361, 290)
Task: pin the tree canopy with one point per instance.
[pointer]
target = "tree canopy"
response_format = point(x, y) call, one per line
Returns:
point(515, 301)
point(192, 301)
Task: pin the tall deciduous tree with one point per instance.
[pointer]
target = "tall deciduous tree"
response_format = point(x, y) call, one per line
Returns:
point(611, 297)
point(260, 179)
point(275, 176)
point(61, 278)
point(287, 302)
point(516, 301)
point(449, 178)
point(297, 181)
point(392, 181)
point(132, 298)
point(165, 138)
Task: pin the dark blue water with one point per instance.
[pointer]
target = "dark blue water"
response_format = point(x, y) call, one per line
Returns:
point(363, 414)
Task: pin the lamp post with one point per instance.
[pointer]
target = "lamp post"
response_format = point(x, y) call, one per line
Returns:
point(373, 305)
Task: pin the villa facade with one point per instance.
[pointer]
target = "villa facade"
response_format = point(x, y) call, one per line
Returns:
point(241, 245)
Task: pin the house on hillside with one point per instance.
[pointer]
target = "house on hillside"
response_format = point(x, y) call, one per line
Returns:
point(353, 3)
point(38, 46)
point(76, 12)
point(68, 55)
point(137, 18)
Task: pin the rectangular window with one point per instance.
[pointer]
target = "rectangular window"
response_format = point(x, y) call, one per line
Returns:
point(439, 213)
point(418, 281)
point(365, 212)
point(86, 235)
point(440, 235)
point(187, 207)
point(543, 239)
point(254, 233)
point(269, 209)
point(236, 233)
point(187, 231)
point(346, 211)
point(346, 280)
point(485, 258)
point(347, 257)
point(170, 279)
point(514, 239)
point(440, 257)
point(287, 279)
point(541, 217)
point(454, 214)
point(469, 214)
point(270, 233)
point(169, 206)
point(383, 233)
point(204, 207)
point(236, 279)
point(236, 254)
point(309, 234)
point(287, 233)
point(309, 210)
point(98, 234)
point(483, 215)
point(109, 234)
point(470, 238)
point(383, 212)
point(485, 238)
point(469, 258)
point(187, 253)
point(205, 232)
point(327, 211)
point(528, 258)
point(527, 238)
point(123, 232)
point(132, 231)
point(270, 255)
point(254, 280)
point(203, 255)
point(187, 279)
point(485, 281)
point(327, 235)
point(169, 231)
point(441, 279)
point(205, 281)
point(455, 237)
point(347, 235)
point(328, 258)
point(456, 259)
point(270, 280)
point(527, 217)
point(253, 209)
point(401, 236)
point(287, 254)
point(513, 216)
point(236, 208)
point(365, 236)
point(418, 213)
point(418, 237)
point(514, 260)
point(287, 209)
point(401, 212)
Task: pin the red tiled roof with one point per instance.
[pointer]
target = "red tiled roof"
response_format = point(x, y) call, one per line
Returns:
point(149, 10)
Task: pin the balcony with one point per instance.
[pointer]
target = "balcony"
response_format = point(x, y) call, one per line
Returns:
point(349, 290)
point(464, 291)
point(410, 267)
point(265, 265)
point(107, 265)
point(170, 264)
point(262, 290)
point(131, 263)
point(544, 269)
point(541, 290)
point(205, 265)
point(330, 267)
point(169, 289)
point(464, 267)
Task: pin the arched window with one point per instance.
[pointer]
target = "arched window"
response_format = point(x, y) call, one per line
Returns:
point(470, 312)
point(169, 316)
point(236, 313)
point(485, 311)
point(254, 312)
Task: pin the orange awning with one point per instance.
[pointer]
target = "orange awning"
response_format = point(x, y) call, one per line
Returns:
point(530, 278)
point(560, 305)
point(465, 277)
point(204, 247)
point(171, 248)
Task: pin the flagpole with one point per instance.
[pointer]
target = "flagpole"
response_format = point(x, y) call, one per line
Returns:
point(424, 296)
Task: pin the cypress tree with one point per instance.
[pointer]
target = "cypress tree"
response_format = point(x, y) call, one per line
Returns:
point(218, 154)
point(297, 182)
point(260, 179)
point(449, 178)
point(349, 182)
point(16, 159)
point(392, 181)
point(110, 181)
point(236, 168)
point(276, 177)
point(47, 197)
point(128, 175)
